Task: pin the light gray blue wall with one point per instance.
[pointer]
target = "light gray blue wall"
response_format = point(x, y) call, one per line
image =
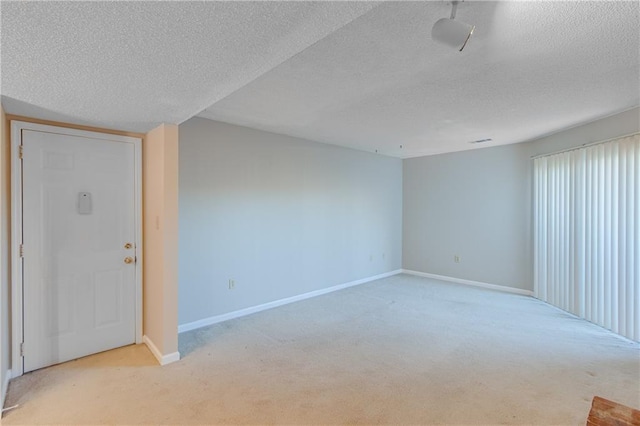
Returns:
point(477, 204)
point(279, 215)
point(283, 216)
point(469, 204)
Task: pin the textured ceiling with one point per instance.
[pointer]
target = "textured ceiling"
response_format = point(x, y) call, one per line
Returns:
point(132, 65)
point(358, 74)
point(380, 82)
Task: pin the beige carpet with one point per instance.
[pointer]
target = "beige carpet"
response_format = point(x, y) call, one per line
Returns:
point(403, 350)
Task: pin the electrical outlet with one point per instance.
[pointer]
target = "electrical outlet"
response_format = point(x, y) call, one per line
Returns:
point(232, 284)
point(456, 258)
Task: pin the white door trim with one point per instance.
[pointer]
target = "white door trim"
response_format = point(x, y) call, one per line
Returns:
point(17, 367)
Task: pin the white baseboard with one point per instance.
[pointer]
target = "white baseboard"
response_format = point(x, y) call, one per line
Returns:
point(5, 387)
point(469, 282)
point(162, 359)
point(253, 309)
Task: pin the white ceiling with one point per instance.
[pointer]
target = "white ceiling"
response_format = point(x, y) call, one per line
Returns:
point(358, 74)
point(133, 65)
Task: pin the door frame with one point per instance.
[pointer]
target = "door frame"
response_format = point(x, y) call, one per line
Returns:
point(17, 329)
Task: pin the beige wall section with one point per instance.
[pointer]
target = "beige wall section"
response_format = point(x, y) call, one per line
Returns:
point(5, 278)
point(170, 246)
point(160, 233)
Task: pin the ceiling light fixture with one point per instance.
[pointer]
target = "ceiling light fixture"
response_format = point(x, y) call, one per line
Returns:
point(451, 32)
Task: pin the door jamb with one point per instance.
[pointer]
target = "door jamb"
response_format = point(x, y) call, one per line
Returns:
point(17, 362)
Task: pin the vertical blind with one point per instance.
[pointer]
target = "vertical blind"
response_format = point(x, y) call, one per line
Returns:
point(587, 233)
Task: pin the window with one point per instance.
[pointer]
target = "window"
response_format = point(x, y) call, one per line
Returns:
point(587, 233)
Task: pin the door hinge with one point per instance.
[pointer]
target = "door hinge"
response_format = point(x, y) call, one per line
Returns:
point(20, 152)
point(22, 349)
point(21, 250)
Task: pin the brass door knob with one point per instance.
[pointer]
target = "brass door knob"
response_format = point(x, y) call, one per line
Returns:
point(128, 246)
point(128, 260)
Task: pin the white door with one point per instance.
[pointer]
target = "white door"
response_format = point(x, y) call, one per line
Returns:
point(79, 248)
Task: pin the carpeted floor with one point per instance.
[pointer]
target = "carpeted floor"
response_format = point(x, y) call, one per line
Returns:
point(402, 350)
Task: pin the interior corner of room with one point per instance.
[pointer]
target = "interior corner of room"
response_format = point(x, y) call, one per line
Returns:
point(320, 157)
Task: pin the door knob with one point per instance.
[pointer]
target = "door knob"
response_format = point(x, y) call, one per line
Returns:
point(128, 260)
point(128, 246)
